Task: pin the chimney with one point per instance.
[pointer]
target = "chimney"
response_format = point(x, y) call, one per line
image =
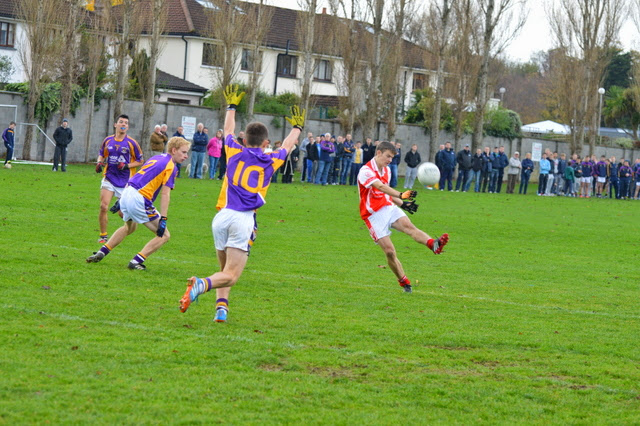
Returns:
point(324, 10)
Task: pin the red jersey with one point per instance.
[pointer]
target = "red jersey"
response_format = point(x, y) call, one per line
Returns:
point(372, 199)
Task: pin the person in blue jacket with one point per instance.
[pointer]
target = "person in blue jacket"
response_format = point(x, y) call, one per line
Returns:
point(504, 162)
point(448, 160)
point(525, 175)
point(198, 151)
point(496, 163)
point(9, 141)
point(545, 168)
point(486, 168)
point(625, 174)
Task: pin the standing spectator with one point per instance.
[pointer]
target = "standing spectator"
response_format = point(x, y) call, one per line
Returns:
point(553, 161)
point(486, 168)
point(163, 130)
point(625, 179)
point(569, 177)
point(504, 162)
point(577, 171)
point(63, 137)
point(368, 151)
point(413, 160)
point(277, 146)
point(515, 165)
point(587, 173)
point(438, 160)
point(324, 165)
point(601, 173)
point(527, 169)
point(636, 174)
point(545, 168)
point(290, 164)
point(448, 158)
point(9, 141)
point(356, 165)
point(198, 151)
point(476, 169)
point(464, 169)
point(214, 149)
point(157, 141)
point(496, 162)
point(612, 175)
point(337, 160)
point(305, 158)
point(347, 159)
point(179, 133)
point(312, 157)
point(395, 162)
point(562, 165)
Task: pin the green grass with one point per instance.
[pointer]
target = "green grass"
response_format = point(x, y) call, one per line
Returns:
point(531, 316)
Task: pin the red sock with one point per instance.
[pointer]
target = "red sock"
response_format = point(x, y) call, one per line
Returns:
point(404, 281)
point(430, 243)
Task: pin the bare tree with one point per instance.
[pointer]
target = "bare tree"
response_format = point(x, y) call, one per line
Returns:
point(439, 31)
point(125, 35)
point(38, 52)
point(94, 53)
point(260, 14)
point(305, 33)
point(68, 65)
point(375, 56)
point(586, 30)
point(349, 46)
point(501, 21)
point(155, 20)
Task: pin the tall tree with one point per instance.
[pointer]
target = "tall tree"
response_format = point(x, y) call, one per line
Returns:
point(38, 53)
point(501, 21)
point(260, 14)
point(306, 32)
point(587, 30)
point(68, 65)
point(125, 34)
point(439, 30)
point(375, 60)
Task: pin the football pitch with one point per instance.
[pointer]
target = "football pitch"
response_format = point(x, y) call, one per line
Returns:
point(530, 316)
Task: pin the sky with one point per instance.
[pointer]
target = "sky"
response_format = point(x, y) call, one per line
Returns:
point(535, 35)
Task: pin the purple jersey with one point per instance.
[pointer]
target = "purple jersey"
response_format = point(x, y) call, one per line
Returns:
point(249, 172)
point(114, 152)
point(157, 171)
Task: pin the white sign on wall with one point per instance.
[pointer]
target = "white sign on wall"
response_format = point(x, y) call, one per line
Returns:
point(536, 151)
point(189, 126)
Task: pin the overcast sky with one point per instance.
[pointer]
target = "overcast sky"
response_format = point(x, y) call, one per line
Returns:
point(535, 35)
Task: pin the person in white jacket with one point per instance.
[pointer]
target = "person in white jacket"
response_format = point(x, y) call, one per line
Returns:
point(513, 172)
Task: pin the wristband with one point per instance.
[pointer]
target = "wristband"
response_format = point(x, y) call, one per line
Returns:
point(232, 107)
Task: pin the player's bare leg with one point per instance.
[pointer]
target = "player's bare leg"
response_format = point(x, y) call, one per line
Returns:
point(222, 294)
point(121, 233)
point(394, 263)
point(103, 220)
point(405, 225)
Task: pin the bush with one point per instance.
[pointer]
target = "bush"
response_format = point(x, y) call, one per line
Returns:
point(502, 123)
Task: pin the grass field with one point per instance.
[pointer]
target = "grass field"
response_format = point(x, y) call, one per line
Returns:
point(530, 316)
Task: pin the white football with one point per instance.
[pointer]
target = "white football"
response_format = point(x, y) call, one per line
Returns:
point(428, 174)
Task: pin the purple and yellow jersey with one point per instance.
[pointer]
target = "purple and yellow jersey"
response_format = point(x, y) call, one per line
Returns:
point(249, 172)
point(114, 152)
point(157, 171)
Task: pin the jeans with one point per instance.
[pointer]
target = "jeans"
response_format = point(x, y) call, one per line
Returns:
point(475, 176)
point(463, 180)
point(410, 177)
point(197, 160)
point(355, 169)
point(334, 170)
point(304, 169)
point(549, 184)
point(494, 180)
point(213, 165)
point(445, 177)
point(559, 183)
point(542, 184)
point(394, 175)
point(568, 187)
point(524, 182)
point(313, 171)
point(345, 170)
point(60, 155)
point(323, 172)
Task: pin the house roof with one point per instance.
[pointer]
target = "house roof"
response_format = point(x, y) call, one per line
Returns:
point(168, 81)
point(8, 8)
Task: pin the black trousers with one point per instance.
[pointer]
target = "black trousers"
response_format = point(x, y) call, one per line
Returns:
point(60, 157)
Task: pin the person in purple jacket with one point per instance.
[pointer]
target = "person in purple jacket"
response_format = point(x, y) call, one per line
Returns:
point(243, 192)
point(156, 176)
point(327, 153)
point(587, 172)
point(601, 175)
point(119, 156)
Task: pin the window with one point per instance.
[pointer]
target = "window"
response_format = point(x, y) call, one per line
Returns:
point(322, 71)
point(420, 81)
point(287, 66)
point(179, 101)
point(247, 62)
point(212, 55)
point(7, 34)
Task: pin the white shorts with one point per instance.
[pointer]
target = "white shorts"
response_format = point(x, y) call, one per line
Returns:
point(109, 187)
point(380, 222)
point(134, 207)
point(587, 179)
point(637, 183)
point(602, 179)
point(234, 229)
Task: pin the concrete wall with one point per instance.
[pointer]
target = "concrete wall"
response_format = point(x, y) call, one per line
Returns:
point(172, 114)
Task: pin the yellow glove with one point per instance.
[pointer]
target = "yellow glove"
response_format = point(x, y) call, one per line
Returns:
point(297, 118)
point(232, 97)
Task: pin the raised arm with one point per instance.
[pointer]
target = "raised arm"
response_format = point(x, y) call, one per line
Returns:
point(233, 99)
point(297, 122)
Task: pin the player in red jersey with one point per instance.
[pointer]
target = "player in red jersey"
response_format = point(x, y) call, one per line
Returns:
point(380, 208)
